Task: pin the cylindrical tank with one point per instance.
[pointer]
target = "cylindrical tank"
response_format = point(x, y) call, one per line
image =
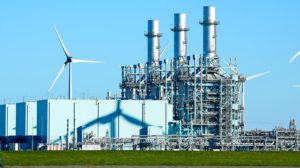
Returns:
point(180, 38)
point(209, 31)
point(153, 36)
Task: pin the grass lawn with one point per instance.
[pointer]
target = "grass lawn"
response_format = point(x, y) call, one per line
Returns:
point(150, 158)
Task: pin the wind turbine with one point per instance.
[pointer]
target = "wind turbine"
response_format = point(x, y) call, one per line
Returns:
point(250, 78)
point(164, 49)
point(291, 60)
point(69, 61)
point(294, 57)
point(243, 88)
point(296, 86)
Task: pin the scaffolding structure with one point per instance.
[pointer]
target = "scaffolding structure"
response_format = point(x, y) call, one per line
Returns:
point(279, 139)
point(207, 98)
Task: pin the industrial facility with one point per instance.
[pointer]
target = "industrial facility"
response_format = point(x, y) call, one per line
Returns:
point(190, 102)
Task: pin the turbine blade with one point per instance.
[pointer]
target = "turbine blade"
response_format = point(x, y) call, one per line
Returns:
point(58, 75)
point(295, 56)
point(163, 51)
point(257, 75)
point(225, 62)
point(86, 61)
point(296, 86)
point(67, 53)
point(229, 65)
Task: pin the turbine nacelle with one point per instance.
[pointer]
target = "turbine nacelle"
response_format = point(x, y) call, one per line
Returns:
point(69, 61)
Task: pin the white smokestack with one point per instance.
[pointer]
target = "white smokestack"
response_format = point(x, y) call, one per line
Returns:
point(209, 32)
point(180, 37)
point(153, 36)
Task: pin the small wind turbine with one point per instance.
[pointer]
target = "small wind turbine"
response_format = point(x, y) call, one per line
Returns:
point(296, 86)
point(250, 78)
point(291, 60)
point(69, 61)
point(164, 49)
point(294, 57)
point(243, 88)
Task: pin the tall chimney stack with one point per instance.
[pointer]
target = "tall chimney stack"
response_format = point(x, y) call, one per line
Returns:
point(180, 38)
point(209, 24)
point(153, 36)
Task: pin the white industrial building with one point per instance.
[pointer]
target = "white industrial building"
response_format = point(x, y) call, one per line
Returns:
point(120, 118)
point(26, 118)
point(8, 120)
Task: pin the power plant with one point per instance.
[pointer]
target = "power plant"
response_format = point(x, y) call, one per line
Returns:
point(190, 102)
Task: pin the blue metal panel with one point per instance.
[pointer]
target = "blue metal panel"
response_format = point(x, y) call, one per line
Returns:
point(79, 134)
point(3, 120)
point(42, 118)
point(21, 118)
point(151, 130)
point(26, 118)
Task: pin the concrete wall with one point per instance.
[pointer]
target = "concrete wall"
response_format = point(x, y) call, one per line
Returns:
point(8, 120)
point(26, 118)
point(121, 118)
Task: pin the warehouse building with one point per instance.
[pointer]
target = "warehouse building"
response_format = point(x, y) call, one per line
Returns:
point(8, 120)
point(58, 120)
point(26, 118)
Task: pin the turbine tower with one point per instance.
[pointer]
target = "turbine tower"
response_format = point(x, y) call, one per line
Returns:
point(69, 61)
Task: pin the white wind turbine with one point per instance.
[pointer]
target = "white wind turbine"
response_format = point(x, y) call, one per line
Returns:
point(243, 88)
point(69, 61)
point(250, 78)
point(291, 60)
point(243, 83)
point(246, 79)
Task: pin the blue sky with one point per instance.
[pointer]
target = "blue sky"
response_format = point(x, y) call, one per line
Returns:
point(262, 35)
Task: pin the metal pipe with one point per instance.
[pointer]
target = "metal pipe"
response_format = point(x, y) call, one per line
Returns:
point(160, 71)
point(146, 81)
point(67, 137)
point(195, 87)
point(201, 92)
point(188, 62)
point(134, 71)
point(166, 79)
point(172, 81)
point(140, 80)
point(123, 80)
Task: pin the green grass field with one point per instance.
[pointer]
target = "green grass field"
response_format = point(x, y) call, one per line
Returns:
point(151, 158)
